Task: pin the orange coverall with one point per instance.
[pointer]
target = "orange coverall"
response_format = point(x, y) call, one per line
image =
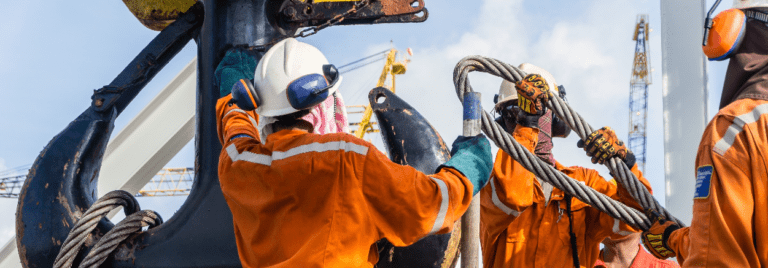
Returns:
point(517, 227)
point(730, 206)
point(643, 259)
point(308, 200)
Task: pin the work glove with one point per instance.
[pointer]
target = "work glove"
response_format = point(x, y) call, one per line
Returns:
point(472, 157)
point(237, 64)
point(602, 144)
point(533, 93)
point(655, 239)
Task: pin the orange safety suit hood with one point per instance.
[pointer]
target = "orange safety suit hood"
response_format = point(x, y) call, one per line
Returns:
point(747, 75)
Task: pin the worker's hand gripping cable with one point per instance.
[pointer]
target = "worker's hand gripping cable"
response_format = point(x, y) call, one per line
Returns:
point(546, 172)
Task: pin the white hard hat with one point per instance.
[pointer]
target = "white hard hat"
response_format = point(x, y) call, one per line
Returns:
point(293, 76)
point(742, 4)
point(508, 92)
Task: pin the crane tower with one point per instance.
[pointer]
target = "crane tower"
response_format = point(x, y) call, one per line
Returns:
point(638, 91)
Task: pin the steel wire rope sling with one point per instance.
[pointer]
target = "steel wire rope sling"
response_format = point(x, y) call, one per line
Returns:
point(134, 221)
point(578, 189)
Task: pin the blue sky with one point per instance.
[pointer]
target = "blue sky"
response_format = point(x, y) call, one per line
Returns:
point(54, 54)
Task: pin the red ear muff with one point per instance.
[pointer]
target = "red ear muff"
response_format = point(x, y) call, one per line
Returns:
point(726, 34)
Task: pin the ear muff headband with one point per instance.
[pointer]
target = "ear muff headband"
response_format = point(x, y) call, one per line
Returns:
point(725, 35)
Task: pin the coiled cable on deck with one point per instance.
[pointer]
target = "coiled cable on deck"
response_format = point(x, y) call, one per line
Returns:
point(90, 219)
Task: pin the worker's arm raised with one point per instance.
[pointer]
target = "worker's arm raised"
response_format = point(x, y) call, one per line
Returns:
point(234, 122)
point(607, 225)
point(406, 205)
point(511, 188)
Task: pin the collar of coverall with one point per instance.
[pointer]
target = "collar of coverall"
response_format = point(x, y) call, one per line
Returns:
point(285, 133)
point(747, 75)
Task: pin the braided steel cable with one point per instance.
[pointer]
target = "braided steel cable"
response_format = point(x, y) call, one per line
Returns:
point(88, 222)
point(546, 172)
point(131, 224)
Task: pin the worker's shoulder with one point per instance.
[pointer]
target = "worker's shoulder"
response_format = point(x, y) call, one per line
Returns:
point(577, 172)
point(345, 142)
point(744, 110)
point(733, 119)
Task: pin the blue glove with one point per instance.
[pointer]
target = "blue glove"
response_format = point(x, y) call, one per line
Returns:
point(472, 157)
point(237, 64)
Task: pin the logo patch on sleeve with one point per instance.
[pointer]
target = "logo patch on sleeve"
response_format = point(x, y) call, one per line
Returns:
point(703, 181)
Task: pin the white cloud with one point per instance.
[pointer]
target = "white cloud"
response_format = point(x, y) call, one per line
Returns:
point(2, 165)
point(590, 53)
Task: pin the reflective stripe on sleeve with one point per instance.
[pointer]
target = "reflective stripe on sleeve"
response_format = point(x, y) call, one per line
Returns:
point(498, 203)
point(266, 160)
point(734, 129)
point(253, 121)
point(440, 220)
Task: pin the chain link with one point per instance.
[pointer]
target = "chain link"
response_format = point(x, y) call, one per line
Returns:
point(309, 31)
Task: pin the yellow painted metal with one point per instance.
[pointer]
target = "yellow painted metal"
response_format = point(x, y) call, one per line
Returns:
point(169, 182)
point(399, 68)
point(157, 14)
point(365, 124)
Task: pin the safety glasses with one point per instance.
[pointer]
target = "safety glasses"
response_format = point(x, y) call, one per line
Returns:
point(312, 89)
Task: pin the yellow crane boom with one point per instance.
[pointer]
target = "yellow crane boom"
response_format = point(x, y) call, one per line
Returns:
point(391, 67)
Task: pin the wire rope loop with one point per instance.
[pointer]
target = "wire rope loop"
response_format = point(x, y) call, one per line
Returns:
point(88, 222)
point(111, 240)
point(535, 165)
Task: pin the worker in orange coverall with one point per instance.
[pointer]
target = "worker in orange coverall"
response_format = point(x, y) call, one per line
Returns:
point(626, 252)
point(730, 206)
point(524, 221)
point(300, 199)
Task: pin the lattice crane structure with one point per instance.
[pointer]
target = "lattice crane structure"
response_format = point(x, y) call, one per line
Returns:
point(638, 91)
point(167, 182)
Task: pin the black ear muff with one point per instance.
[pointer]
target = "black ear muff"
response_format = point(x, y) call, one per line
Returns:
point(244, 95)
point(331, 73)
point(559, 128)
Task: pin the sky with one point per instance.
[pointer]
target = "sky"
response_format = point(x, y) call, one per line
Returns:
point(54, 54)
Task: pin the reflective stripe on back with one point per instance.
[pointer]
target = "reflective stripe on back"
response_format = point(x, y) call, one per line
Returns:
point(443, 206)
point(498, 203)
point(312, 147)
point(734, 129)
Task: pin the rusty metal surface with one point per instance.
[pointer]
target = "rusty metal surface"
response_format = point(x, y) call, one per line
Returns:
point(411, 140)
point(399, 7)
point(61, 184)
point(290, 15)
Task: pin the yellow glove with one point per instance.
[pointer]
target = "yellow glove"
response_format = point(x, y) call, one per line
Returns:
point(655, 239)
point(602, 144)
point(532, 92)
